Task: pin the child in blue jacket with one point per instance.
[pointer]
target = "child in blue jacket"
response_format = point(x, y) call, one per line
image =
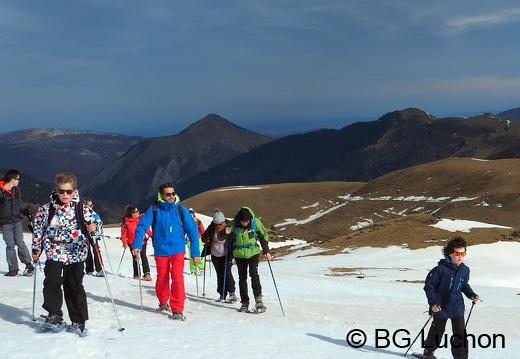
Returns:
point(444, 286)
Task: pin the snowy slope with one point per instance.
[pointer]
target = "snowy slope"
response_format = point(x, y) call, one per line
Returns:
point(380, 294)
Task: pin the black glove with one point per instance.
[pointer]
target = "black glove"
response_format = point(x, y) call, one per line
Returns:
point(26, 213)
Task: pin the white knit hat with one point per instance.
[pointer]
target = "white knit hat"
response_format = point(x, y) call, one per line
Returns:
point(218, 217)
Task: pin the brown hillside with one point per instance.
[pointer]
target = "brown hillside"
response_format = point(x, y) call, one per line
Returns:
point(395, 209)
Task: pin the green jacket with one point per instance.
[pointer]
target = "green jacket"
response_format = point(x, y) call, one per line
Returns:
point(245, 239)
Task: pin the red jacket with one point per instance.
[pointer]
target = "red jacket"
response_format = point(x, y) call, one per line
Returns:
point(128, 231)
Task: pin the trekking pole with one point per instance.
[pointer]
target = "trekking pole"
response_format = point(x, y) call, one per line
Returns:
point(98, 253)
point(420, 331)
point(121, 261)
point(204, 280)
point(276, 288)
point(106, 252)
point(224, 286)
point(140, 287)
point(34, 292)
point(469, 315)
point(197, 284)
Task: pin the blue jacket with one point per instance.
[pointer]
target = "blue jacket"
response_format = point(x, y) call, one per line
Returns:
point(168, 231)
point(444, 286)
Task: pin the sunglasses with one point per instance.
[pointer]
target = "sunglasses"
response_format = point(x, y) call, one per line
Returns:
point(168, 194)
point(461, 254)
point(62, 191)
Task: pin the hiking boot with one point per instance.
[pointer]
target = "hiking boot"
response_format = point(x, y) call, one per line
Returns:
point(259, 305)
point(428, 354)
point(54, 322)
point(232, 298)
point(244, 307)
point(177, 316)
point(101, 273)
point(78, 328)
point(147, 277)
point(219, 299)
point(29, 270)
point(164, 308)
point(54, 318)
point(12, 273)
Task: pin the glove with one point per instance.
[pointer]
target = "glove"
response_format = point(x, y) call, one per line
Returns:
point(26, 213)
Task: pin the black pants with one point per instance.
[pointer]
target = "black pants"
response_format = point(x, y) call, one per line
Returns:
point(459, 344)
point(71, 278)
point(144, 260)
point(92, 259)
point(220, 266)
point(242, 266)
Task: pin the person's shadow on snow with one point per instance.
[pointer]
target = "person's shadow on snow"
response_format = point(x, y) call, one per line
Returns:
point(17, 316)
point(343, 342)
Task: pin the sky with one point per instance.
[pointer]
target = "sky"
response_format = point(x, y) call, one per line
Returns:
point(152, 68)
point(311, 307)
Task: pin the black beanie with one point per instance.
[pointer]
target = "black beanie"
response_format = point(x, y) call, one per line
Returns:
point(243, 215)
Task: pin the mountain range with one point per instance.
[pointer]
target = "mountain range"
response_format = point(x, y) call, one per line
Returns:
point(214, 153)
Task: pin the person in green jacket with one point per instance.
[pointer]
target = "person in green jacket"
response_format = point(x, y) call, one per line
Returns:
point(245, 231)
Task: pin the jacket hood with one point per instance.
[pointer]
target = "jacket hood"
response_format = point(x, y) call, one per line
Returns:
point(160, 200)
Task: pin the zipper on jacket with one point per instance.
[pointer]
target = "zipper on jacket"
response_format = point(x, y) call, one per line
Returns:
point(451, 283)
point(461, 280)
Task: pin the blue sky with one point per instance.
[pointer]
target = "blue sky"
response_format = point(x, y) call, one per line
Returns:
point(153, 67)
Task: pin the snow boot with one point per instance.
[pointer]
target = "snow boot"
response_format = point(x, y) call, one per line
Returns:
point(231, 299)
point(425, 355)
point(164, 308)
point(54, 322)
point(244, 307)
point(177, 316)
point(29, 270)
point(259, 305)
point(77, 328)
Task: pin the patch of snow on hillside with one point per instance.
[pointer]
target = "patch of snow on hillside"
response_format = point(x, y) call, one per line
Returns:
point(453, 225)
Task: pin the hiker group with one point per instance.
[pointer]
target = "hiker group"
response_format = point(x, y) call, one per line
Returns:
point(67, 230)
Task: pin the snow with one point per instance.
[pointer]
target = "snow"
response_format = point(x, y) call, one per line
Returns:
point(324, 298)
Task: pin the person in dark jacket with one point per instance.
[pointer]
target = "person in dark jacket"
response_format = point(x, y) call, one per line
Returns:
point(220, 250)
point(92, 260)
point(444, 287)
point(11, 210)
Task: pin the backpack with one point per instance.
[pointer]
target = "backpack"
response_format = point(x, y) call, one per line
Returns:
point(253, 227)
point(80, 217)
point(123, 223)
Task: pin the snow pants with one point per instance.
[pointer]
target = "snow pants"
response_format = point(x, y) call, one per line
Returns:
point(220, 266)
point(70, 276)
point(13, 237)
point(144, 262)
point(458, 341)
point(169, 286)
point(243, 264)
point(200, 263)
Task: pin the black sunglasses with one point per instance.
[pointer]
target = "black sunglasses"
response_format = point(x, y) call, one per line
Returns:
point(62, 191)
point(168, 194)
